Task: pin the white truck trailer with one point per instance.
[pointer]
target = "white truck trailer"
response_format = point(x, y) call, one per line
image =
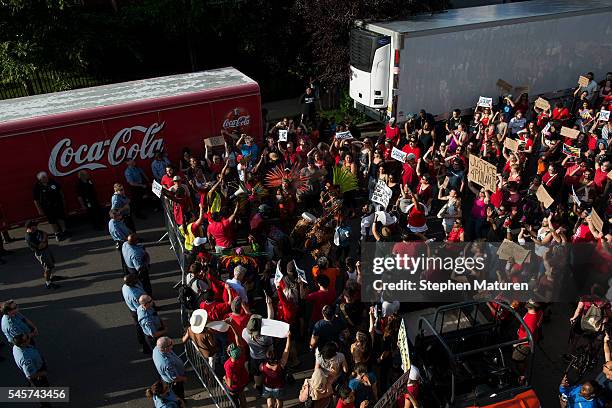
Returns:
point(444, 61)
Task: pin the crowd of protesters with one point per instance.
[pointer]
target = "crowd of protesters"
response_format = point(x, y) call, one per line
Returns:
point(274, 228)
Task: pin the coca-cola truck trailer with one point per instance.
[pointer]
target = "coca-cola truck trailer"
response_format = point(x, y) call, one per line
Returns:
point(99, 128)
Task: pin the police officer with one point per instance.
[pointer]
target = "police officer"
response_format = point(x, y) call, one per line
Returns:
point(14, 323)
point(137, 261)
point(30, 362)
point(169, 366)
point(121, 203)
point(132, 291)
point(38, 241)
point(150, 323)
point(119, 232)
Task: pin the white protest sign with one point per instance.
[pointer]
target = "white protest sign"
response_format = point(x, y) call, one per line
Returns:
point(398, 155)
point(485, 102)
point(604, 115)
point(300, 272)
point(156, 188)
point(214, 141)
point(382, 194)
point(575, 196)
point(402, 344)
point(343, 135)
point(274, 328)
point(282, 135)
point(278, 275)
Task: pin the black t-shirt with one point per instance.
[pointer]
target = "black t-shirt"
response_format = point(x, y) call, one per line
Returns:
point(34, 239)
point(308, 104)
point(453, 123)
point(327, 331)
point(87, 191)
point(49, 196)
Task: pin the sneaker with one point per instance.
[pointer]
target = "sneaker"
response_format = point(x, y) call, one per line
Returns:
point(52, 285)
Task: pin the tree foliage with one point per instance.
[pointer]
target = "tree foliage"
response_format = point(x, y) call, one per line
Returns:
point(328, 24)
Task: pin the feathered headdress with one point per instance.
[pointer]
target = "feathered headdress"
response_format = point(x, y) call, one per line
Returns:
point(279, 175)
point(345, 179)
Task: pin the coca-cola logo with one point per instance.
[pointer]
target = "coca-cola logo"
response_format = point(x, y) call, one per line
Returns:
point(116, 150)
point(237, 119)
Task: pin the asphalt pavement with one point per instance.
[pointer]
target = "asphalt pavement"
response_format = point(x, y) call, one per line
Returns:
point(88, 339)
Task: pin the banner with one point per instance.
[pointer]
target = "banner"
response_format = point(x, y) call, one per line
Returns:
point(278, 275)
point(402, 344)
point(482, 173)
point(544, 197)
point(485, 102)
point(382, 194)
point(343, 135)
point(282, 135)
point(569, 132)
point(542, 103)
point(214, 141)
point(156, 188)
point(398, 155)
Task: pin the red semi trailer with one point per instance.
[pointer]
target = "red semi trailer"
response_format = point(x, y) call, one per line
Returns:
point(99, 128)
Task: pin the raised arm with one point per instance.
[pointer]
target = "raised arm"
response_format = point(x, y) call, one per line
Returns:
point(233, 216)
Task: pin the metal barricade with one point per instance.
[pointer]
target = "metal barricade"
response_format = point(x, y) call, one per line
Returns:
point(218, 392)
point(200, 365)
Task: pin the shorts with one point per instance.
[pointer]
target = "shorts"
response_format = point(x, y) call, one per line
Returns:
point(45, 257)
point(276, 393)
point(521, 352)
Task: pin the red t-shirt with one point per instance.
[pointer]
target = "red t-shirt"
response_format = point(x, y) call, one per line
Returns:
point(583, 234)
point(319, 299)
point(392, 134)
point(331, 273)
point(239, 322)
point(414, 150)
point(600, 179)
point(409, 176)
point(287, 311)
point(237, 373)
point(412, 389)
point(216, 310)
point(533, 322)
point(272, 378)
point(217, 286)
point(341, 404)
point(221, 231)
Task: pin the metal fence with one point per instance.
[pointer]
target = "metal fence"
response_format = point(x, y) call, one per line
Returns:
point(200, 365)
point(46, 81)
point(212, 383)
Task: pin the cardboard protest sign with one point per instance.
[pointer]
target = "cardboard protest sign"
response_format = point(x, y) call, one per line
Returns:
point(544, 197)
point(504, 85)
point(509, 249)
point(156, 188)
point(519, 90)
point(610, 174)
point(596, 221)
point(282, 135)
point(485, 102)
point(214, 141)
point(604, 115)
point(542, 103)
point(402, 345)
point(511, 144)
point(583, 81)
point(398, 155)
point(482, 173)
point(274, 328)
point(382, 194)
point(568, 132)
point(343, 135)
point(571, 151)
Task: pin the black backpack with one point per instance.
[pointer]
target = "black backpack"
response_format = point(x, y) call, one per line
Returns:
point(187, 297)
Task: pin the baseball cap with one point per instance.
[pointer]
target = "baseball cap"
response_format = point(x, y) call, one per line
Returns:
point(176, 178)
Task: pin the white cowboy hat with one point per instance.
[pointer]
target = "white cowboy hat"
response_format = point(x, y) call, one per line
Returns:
point(198, 320)
point(200, 241)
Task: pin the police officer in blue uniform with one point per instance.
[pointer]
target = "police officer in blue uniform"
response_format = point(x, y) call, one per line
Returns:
point(132, 291)
point(137, 261)
point(150, 323)
point(119, 233)
point(169, 366)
